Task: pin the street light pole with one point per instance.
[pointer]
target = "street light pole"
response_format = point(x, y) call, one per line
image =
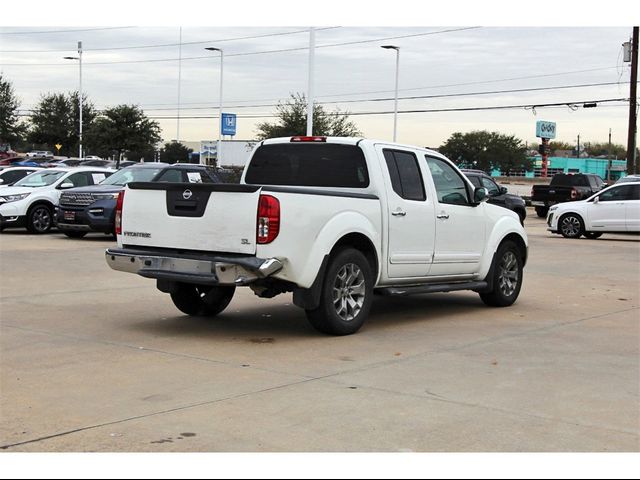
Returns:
point(310, 93)
point(80, 152)
point(395, 107)
point(79, 58)
point(214, 49)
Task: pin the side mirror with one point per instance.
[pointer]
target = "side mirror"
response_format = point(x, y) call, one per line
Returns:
point(66, 186)
point(503, 190)
point(596, 199)
point(480, 194)
point(1, 181)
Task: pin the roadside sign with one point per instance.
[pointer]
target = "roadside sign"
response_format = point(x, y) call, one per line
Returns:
point(58, 147)
point(545, 129)
point(228, 124)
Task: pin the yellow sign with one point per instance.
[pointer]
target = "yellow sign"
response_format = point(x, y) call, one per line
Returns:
point(58, 146)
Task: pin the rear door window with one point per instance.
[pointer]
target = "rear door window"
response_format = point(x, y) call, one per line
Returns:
point(406, 179)
point(309, 165)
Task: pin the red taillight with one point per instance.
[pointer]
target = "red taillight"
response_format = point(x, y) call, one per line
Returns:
point(574, 194)
point(119, 203)
point(268, 225)
point(301, 138)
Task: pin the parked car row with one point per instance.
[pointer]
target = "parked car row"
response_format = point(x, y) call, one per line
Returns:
point(45, 161)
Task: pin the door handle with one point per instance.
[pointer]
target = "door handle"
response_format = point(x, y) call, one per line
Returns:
point(398, 213)
point(443, 216)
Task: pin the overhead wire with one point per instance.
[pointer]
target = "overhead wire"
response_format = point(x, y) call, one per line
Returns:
point(240, 54)
point(164, 45)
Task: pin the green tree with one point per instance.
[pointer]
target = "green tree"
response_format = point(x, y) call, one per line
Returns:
point(11, 129)
point(596, 149)
point(292, 120)
point(56, 119)
point(174, 152)
point(124, 130)
point(558, 145)
point(487, 151)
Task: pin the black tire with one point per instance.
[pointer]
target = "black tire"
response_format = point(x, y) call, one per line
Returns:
point(74, 233)
point(39, 219)
point(542, 211)
point(346, 296)
point(592, 235)
point(507, 276)
point(202, 300)
point(570, 225)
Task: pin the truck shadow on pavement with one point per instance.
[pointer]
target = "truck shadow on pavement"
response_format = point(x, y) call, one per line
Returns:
point(290, 322)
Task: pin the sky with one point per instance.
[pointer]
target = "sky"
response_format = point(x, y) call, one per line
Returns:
point(474, 62)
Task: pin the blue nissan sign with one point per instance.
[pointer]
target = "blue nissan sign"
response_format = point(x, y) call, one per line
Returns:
point(545, 129)
point(228, 124)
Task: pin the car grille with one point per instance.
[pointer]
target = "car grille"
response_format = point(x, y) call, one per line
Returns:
point(81, 199)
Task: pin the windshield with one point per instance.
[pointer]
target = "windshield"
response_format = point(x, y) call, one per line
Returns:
point(131, 174)
point(40, 179)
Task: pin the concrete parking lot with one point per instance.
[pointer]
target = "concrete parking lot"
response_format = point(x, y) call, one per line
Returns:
point(97, 360)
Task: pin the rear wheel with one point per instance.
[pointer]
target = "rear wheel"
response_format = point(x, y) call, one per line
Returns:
point(592, 235)
point(74, 234)
point(507, 277)
point(204, 300)
point(347, 293)
point(571, 225)
point(39, 219)
point(542, 211)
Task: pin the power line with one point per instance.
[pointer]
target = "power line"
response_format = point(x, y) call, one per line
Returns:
point(262, 52)
point(415, 97)
point(64, 31)
point(407, 89)
point(531, 106)
point(200, 42)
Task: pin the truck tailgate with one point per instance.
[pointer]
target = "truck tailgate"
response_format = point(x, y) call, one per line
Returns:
point(201, 217)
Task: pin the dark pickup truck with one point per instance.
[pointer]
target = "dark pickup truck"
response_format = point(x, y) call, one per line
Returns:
point(565, 187)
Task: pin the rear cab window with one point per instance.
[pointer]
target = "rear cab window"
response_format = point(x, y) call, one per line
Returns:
point(309, 165)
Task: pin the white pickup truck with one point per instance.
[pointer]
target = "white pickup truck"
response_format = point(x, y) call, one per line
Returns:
point(332, 220)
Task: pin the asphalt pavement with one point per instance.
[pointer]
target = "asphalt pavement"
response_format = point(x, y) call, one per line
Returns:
point(97, 360)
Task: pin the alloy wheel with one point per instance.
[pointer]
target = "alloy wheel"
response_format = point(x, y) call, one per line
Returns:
point(508, 276)
point(348, 292)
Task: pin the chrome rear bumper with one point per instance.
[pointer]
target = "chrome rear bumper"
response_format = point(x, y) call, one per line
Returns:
point(206, 270)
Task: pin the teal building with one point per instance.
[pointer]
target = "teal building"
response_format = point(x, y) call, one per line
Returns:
point(599, 166)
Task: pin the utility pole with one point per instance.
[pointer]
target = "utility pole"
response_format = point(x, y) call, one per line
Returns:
point(609, 159)
point(578, 149)
point(632, 166)
point(310, 93)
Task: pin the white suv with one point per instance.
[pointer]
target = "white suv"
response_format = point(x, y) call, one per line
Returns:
point(31, 201)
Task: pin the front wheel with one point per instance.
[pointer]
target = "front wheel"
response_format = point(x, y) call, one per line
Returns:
point(347, 293)
point(39, 219)
point(202, 300)
point(571, 225)
point(507, 277)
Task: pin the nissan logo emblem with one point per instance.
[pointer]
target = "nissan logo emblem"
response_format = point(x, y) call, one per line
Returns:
point(187, 194)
